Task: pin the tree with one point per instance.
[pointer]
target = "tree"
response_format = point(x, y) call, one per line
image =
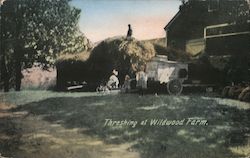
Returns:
point(37, 31)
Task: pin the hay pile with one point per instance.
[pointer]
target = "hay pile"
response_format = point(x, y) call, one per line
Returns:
point(95, 66)
point(117, 46)
point(173, 54)
point(119, 53)
point(72, 68)
point(82, 56)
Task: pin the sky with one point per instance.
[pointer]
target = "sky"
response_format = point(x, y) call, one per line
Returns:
point(101, 19)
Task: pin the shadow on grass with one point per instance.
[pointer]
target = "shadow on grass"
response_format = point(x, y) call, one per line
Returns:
point(227, 126)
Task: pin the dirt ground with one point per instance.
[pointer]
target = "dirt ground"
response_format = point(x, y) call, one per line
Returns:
point(25, 135)
point(71, 125)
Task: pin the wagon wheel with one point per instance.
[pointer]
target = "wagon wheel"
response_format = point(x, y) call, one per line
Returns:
point(174, 87)
point(98, 89)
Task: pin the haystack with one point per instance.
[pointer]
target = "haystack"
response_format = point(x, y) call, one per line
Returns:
point(72, 68)
point(82, 56)
point(120, 53)
point(95, 67)
point(172, 53)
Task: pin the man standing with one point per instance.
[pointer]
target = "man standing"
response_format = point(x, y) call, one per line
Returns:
point(141, 78)
point(130, 32)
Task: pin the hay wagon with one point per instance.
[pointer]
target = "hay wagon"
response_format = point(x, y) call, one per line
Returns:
point(169, 74)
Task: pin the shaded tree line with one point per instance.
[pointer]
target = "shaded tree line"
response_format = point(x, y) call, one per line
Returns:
point(35, 31)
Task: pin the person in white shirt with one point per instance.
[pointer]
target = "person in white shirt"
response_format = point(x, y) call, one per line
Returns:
point(141, 78)
point(113, 80)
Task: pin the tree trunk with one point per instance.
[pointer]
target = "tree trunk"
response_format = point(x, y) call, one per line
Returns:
point(18, 51)
point(18, 68)
point(18, 74)
point(5, 75)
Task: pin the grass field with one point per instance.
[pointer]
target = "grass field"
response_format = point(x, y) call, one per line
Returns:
point(50, 124)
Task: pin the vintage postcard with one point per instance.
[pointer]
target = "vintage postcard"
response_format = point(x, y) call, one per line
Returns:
point(125, 79)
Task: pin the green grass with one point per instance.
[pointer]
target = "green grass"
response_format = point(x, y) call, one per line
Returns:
point(225, 136)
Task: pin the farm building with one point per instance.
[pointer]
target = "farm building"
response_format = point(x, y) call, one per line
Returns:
point(215, 34)
point(186, 29)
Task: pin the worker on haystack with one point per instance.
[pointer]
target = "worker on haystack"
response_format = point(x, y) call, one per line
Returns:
point(113, 82)
point(130, 32)
point(141, 78)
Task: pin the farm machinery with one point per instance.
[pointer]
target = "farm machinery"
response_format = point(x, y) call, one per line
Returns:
point(168, 74)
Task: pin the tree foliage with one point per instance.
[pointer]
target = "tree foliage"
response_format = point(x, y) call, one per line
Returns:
point(37, 31)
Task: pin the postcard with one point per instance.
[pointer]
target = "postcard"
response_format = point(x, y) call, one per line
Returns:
point(125, 79)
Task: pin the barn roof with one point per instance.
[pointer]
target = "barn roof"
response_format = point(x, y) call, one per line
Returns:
point(172, 20)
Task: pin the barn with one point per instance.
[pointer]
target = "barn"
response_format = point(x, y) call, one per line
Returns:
point(215, 34)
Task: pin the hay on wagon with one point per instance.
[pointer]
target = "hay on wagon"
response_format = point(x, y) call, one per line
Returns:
point(95, 66)
point(120, 53)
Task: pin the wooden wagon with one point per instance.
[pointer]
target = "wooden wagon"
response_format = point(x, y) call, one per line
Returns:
point(170, 74)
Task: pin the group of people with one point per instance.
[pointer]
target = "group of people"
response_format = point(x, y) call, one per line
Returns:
point(141, 81)
point(141, 76)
